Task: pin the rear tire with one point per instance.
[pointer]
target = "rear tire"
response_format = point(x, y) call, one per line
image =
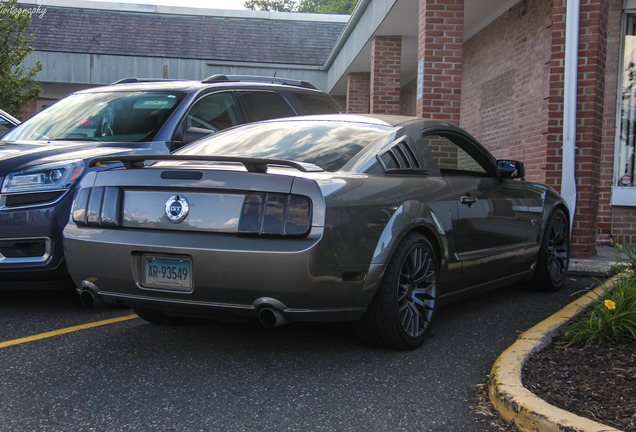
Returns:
point(401, 312)
point(554, 254)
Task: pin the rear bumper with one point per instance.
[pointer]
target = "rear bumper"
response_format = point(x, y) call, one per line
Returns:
point(231, 275)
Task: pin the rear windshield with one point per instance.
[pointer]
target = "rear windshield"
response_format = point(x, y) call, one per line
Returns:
point(108, 116)
point(327, 144)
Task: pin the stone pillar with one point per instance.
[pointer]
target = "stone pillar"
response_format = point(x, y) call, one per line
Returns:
point(386, 62)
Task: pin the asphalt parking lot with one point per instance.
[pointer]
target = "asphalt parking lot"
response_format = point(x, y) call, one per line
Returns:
point(58, 375)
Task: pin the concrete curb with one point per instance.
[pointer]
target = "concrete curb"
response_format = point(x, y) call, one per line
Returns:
point(518, 405)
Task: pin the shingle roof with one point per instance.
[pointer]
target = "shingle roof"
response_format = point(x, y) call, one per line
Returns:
point(234, 39)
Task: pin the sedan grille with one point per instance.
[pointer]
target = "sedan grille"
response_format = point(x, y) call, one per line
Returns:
point(30, 199)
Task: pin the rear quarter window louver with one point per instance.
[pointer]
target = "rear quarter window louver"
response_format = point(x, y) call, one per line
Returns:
point(400, 159)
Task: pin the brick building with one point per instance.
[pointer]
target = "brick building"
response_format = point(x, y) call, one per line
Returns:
point(548, 82)
point(517, 85)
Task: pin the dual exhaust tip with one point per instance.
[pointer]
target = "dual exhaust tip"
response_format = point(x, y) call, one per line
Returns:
point(268, 316)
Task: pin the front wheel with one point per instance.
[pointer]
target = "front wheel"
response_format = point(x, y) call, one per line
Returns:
point(401, 313)
point(554, 254)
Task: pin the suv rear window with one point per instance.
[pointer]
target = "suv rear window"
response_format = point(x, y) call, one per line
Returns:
point(317, 103)
point(262, 105)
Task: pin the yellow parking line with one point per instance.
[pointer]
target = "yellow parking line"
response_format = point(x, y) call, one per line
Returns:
point(65, 330)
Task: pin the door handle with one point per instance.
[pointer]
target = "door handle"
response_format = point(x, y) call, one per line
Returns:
point(468, 200)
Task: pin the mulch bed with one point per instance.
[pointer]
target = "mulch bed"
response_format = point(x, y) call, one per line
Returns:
point(596, 381)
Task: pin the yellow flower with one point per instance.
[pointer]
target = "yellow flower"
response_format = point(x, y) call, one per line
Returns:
point(615, 244)
point(610, 305)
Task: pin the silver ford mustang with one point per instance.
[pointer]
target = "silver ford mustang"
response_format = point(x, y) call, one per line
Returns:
point(371, 219)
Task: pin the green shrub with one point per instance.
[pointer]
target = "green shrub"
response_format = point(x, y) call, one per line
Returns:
point(613, 317)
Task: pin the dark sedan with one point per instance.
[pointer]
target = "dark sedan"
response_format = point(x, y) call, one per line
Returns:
point(376, 220)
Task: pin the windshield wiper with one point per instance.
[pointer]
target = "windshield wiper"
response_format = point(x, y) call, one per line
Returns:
point(76, 139)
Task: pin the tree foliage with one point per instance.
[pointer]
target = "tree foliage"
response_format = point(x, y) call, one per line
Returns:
point(342, 7)
point(17, 87)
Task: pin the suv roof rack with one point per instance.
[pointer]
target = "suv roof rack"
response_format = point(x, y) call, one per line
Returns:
point(142, 80)
point(253, 78)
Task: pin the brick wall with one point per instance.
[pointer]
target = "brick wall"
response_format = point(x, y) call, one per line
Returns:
point(358, 92)
point(624, 225)
point(505, 85)
point(386, 63)
point(512, 100)
point(408, 95)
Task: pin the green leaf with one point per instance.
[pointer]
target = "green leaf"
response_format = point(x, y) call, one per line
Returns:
point(17, 85)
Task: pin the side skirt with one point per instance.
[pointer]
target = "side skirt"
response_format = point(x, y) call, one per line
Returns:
point(485, 287)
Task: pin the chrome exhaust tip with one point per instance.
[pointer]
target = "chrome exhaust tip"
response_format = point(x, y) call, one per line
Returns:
point(87, 295)
point(270, 317)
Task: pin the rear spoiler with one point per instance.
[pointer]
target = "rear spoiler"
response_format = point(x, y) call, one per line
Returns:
point(257, 165)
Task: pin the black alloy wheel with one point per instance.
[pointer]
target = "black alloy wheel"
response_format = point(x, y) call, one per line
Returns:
point(554, 254)
point(401, 313)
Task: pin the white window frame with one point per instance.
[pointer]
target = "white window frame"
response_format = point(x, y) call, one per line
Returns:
point(624, 196)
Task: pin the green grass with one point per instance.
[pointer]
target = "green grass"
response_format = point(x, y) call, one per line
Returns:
point(613, 316)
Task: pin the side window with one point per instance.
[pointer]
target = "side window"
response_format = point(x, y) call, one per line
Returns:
point(214, 112)
point(317, 103)
point(452, 159)
point(5, 126)
point(262, 105)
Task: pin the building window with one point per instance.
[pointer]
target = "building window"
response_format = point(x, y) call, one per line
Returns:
point(624, 190)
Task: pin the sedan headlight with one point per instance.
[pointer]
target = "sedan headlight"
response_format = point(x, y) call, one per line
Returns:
point(43, 178)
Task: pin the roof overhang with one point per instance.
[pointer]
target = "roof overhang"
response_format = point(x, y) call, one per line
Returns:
point(352, 52)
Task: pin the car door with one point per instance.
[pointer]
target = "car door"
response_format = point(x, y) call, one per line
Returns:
point(491, 231)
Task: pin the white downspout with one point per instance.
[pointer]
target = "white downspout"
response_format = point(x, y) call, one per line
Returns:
point(568, 181)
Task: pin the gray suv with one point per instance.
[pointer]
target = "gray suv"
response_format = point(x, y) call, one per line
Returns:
point(43, 159)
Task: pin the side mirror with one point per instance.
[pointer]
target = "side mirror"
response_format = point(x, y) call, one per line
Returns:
point(191, 134)
point(510, 169)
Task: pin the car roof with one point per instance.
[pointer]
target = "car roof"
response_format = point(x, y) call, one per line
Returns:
point(379, 119)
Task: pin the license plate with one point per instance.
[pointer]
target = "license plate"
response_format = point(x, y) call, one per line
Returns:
point(168, 273)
